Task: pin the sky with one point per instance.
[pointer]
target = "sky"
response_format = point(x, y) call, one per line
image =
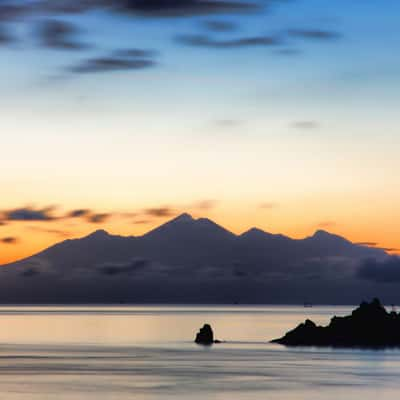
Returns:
point(119, 115)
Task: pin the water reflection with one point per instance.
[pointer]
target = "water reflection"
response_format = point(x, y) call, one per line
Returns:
point(147, 352)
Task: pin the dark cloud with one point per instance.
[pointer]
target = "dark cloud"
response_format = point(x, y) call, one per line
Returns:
point(160, 212)
point(305, 125)
point(146, 8)
point(181, 8)
point(68, 6)
point(123, 268)
point(29, 214)
point(206, 41)
point(5, 36)
point(10, 11)
point(386, 271)
point(98, 218)
point(112, 63)
point(9, 240)
point(313, 34)
point(29, 273)
point(59, 35)
point(90, 215)
point(220, 26)
point(82, 212)
point(134, 53)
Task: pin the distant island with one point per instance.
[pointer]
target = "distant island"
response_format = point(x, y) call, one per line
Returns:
point(368, 326)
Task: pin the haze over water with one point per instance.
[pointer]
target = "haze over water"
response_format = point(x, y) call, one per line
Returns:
point(147, 352)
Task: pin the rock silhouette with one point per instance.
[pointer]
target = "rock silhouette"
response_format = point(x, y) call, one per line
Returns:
point(368, 326)
point(205, 335)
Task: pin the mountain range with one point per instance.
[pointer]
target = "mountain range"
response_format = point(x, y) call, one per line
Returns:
point(189, 260)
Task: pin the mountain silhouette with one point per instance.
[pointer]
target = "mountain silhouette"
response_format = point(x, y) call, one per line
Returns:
point(185, 260)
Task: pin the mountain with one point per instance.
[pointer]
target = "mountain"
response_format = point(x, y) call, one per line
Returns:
point(186, 260)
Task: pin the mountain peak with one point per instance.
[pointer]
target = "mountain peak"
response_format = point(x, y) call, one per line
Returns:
point(254, 232)
point(185, 217)
point(185, 225)
point(321, 233)
point(100, 233)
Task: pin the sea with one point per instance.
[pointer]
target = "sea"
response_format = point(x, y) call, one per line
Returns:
point(147, 352)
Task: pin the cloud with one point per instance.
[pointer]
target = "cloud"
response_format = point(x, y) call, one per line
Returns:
point(386, 271)
point(205, 204)
point(206, 41)
point(220, 26)
point(59, 35)
point(145, 8)
point(29, 214)
point(82, 212)
point(29, 272)
point(57, 232)
point(268, 205)
point(305, 125)
point(182, 8)
point(9, 240)
point(228, 123)
point(313, 34)
point(134, 53)
point(159, 212)
point(11, 11)
point(123, 268)
point(121, 60)
point(90, 215)
point(5, 36)
point(98, 218)
point(390, 249)
point(142, 221)
point(376, 246)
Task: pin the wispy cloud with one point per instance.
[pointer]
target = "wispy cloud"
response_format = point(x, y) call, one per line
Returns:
point(61, 35)
point(305, 125)
point(220, 26)
point(207, 41)
point(268, 205)
point(98, 218)
point(314, 34)
point(29, 214)
point(121, 60)
point(160, 212)
point(9, 240)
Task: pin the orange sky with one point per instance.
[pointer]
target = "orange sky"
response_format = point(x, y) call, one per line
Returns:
point(296, 219)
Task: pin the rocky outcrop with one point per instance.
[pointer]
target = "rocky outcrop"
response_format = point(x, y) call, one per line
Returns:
point(368, 326)
point(205, 335)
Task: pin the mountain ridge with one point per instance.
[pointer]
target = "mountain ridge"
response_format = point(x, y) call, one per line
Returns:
point(185, 260)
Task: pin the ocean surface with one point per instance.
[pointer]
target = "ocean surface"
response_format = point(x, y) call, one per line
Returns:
point(147, 352)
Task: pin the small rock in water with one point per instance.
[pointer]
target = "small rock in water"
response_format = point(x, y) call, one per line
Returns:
point(205, 335)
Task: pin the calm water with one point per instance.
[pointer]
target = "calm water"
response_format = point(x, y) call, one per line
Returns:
point(147, 353)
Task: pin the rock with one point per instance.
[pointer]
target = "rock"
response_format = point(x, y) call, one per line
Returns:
point(368, 326)
point(205, 335)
